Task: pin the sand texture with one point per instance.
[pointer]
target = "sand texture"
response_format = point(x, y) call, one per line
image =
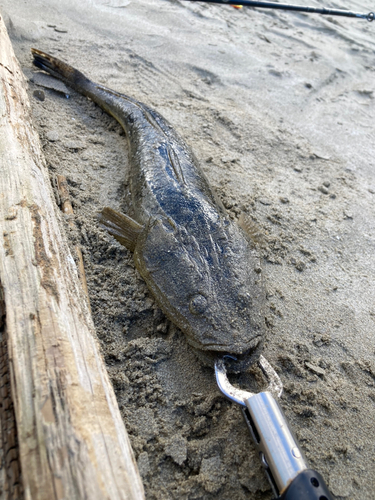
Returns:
point(279, 109)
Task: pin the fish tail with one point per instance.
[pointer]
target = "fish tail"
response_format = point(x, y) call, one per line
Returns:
point(61, 70)
point(109, 100)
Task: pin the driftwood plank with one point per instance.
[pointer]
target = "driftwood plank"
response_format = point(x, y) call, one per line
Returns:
point(10, 473)
point(66, 207)
point(72, 441)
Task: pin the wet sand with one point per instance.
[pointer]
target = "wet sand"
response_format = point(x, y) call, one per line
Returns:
point(279, 108)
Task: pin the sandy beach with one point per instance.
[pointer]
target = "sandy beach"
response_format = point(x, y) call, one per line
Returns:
point(279, 109)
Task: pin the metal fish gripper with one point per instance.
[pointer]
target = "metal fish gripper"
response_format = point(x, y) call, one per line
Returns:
point(282, 459)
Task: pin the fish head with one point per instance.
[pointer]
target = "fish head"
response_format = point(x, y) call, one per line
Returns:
point(210, 285)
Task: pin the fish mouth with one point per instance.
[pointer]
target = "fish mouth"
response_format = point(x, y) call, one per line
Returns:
point(234, 362)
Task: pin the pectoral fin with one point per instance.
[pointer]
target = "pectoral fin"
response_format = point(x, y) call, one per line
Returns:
point(125, 229)
point(251, 229)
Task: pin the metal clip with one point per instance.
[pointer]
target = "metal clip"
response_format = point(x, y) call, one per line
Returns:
point(275, 386)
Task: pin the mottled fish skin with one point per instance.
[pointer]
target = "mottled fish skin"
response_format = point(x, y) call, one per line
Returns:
point(199, 265)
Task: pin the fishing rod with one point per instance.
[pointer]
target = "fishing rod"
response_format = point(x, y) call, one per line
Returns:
point(299, 8)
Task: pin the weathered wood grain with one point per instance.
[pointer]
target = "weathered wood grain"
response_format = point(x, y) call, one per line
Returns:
point(66, 207)
point(72, 441)
point(10, 473)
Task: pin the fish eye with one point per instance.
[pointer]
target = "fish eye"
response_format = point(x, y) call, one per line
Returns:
point(198, 304)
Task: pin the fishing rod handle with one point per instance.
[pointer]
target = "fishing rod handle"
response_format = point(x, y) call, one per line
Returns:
point(280, 454)
point(297, 8)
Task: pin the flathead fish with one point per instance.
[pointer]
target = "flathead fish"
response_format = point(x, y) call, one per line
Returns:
point(200, 266)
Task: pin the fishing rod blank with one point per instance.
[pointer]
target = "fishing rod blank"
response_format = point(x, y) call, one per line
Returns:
point(298, 8)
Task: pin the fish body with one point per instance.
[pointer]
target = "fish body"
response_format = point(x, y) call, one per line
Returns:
point(199, 265)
